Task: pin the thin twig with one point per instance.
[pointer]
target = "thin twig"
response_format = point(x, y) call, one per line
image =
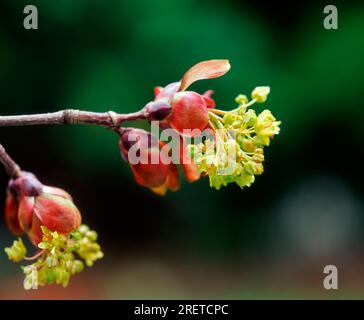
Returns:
point(70, 116)
point(10, 166)
point(109, 119)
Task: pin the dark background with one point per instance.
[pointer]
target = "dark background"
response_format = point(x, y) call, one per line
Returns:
point(271, 240)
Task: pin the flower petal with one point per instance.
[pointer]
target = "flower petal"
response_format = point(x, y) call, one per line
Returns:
point(168, 91)
point(35, 233)
point(204, 70)
point(190, 169)
point(150, 175)
point(57, 213)
point(57, 192)
point(173, 178)
point(210, 103)
point(26, 210)
point(161, 191)
point(157, 90)
point(11, 214)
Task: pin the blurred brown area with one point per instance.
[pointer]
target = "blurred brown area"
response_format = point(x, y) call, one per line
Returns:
point(166, 278)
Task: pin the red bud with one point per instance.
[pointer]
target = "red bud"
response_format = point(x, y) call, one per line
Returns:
point(27, 185)
point(57, 213)
point(190, 169)
point(30, 205)
point(210, 103)
point(189, 111)
point(156, 176)
point(11, 214)
point(157, 110)
point(26, 212)
point(157, 91)
point(35, 234)
point(149, 174)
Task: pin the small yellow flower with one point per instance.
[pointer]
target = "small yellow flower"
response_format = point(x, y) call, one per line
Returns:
point(17, 251)
point(241, 99)
point(58, 259)
point(235, 153)
point(260, 94)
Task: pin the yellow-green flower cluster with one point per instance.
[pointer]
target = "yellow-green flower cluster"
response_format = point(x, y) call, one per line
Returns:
point(17, 251)
point(61, 256)
point(89, 250)
point(234, 152)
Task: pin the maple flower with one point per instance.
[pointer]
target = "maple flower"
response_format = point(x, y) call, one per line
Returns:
point(30, 205)
point(53, 224)
point(234, 151)
point(184, 110)
point(148, 160)
point(60, 257)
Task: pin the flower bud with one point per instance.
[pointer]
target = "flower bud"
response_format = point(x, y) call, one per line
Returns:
point(27, 185)
point(157, 90)
point(260, 94)
point(30, 205)
point(241, 99)
point(11, 214)
point(166, 92)
point(210, 103)
point(248, 145)
point(77, 266)
point(157, 110)
point(17, 251)
point(56, 213)
point(91, 235)
point(150, 172)
point(189, 167)
point(189, 111)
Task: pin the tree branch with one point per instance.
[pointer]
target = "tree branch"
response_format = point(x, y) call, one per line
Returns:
point(107, 119)
point(10, 166)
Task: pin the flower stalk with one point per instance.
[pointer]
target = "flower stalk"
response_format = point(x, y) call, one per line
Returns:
point(9, 164)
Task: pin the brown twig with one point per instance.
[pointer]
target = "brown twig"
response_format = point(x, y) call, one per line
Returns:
point(107, 119)
point(10, 166)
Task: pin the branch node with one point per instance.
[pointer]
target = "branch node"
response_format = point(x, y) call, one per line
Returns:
point(114, 119)
point(71, 116)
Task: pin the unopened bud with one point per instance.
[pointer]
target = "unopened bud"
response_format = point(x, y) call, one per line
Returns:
point(77, 266)
point(260, 94)
point(157, 110)
point(17, 251)
point(248, 145)
point(189, 112)
point(26, 185)
point(241, 99)
point(91, 235)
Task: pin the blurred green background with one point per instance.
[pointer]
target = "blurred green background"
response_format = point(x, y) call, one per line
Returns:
point(271, 240)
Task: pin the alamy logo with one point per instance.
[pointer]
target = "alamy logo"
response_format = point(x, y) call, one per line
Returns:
point(31, 19)
point(331, 280)
point(331, 18)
